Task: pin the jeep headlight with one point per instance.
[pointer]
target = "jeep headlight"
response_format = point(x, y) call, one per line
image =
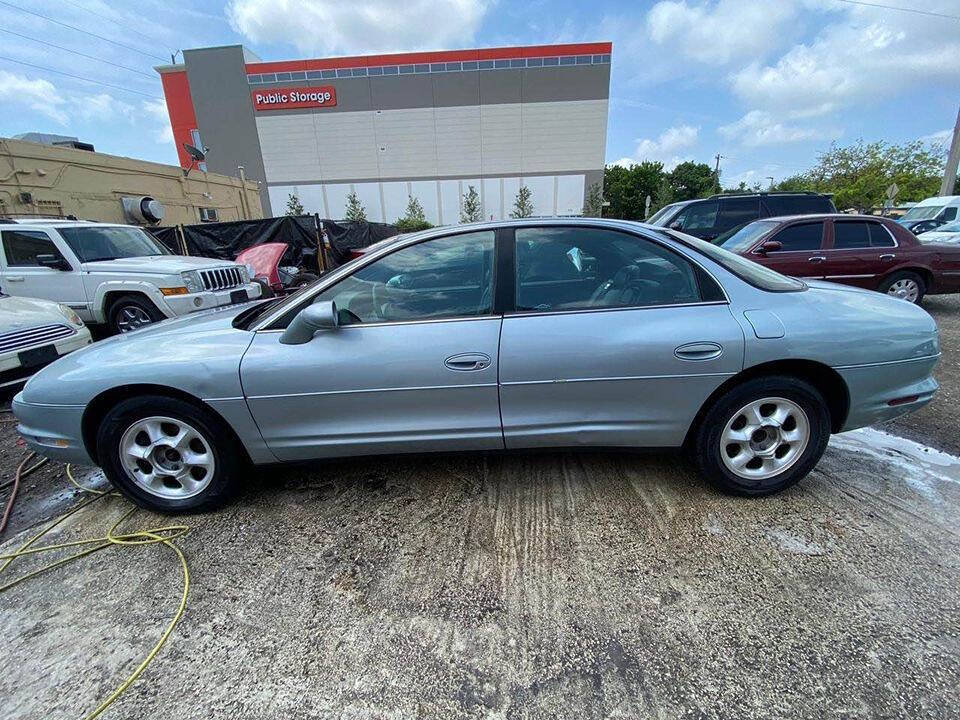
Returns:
point(191, 281)
point(247, 272)
point(70, 315)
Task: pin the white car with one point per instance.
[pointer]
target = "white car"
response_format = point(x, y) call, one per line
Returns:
point(34, 333)
point(949, 233)
point(117, 275)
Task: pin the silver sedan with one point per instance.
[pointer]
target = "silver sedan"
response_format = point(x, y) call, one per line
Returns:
point(522, 334)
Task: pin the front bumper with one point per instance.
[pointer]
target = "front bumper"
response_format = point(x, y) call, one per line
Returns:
point(10, 362)
point(53, 431)
point(184, 304)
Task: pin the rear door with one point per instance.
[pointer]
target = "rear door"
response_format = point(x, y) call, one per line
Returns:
point(625, 356)
point(736, 211)
point(801, 254)
point(860, 254)
point(699, 219)
point(23, 275)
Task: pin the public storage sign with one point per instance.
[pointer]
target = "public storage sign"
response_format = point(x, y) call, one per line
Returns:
point(296, 97)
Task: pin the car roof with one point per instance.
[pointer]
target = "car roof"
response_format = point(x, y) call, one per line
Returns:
point(58, 222)
point(822, 216)
point(939, 200)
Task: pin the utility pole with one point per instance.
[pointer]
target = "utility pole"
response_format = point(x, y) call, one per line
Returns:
point(770, 178)
point(950, 172)
point(716, 172)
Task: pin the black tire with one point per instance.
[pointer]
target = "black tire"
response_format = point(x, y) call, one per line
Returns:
point(228, 455)
point(906, 276)
point(303, 278)
point(118, 316)
point(707, 444)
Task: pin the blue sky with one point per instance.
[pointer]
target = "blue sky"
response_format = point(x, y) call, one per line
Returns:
point(765, 83)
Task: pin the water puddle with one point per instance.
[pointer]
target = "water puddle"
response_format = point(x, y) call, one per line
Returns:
point(920, 466)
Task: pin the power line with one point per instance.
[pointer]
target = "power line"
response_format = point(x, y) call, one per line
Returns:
point(77, 52)
point(117, 22)
point(86, 32)
point(79, 77)
point(901, 9)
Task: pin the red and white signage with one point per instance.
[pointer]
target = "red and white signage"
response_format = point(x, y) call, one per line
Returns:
point(295, 97)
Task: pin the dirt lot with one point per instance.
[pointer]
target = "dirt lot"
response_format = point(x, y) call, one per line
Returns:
point(518, 586)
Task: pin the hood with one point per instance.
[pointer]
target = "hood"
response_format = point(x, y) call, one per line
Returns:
point(17, 313)
point(935, 236)
point(160, 264)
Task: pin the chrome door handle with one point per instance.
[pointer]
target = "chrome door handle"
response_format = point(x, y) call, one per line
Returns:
point(887, 256)
point(15, 278)
point(816, 259)
point(699, 351)
point(467, 361)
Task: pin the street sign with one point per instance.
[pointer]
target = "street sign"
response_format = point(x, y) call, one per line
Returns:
point(892, 191)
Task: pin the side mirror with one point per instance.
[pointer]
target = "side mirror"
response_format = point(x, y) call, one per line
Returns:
point(54, 262)
point(314, 317)
point(770, 246)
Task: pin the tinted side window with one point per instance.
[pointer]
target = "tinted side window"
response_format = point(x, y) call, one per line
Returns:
point(880, 236)
point(805, 236)
point(699, 216)
point(21, 247)
point(949, 214)
point(797, 204)
point(850, 235)
point(446, 277)
point(581, 268)
point(736, 211)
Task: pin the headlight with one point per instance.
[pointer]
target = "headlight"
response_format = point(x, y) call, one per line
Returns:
point(247, 272)
point(70, 315)
point(191, 281)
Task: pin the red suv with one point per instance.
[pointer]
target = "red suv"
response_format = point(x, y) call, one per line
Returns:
point(863, 250)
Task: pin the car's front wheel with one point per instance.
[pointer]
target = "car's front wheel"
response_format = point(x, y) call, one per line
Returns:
point(763, 436)
point(132, 312)
point(169, 455)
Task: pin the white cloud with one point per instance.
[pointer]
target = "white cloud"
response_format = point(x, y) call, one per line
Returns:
point(339, 26)
point(669, 147)
point(40, 96)
point(157, 111)
point(758, 127)
point(103, 107)
point(720, 32)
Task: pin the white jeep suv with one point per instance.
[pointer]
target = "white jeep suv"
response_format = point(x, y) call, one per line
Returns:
point(117, 275)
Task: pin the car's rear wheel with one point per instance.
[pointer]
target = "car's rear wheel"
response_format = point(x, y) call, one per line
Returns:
point(132, 312)
point(169, 455)
point(763, 436)
point(905, 285)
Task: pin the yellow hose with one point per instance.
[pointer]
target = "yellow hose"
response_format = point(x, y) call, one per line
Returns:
point(164, 535)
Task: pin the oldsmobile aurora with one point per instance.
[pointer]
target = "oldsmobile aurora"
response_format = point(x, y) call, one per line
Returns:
point(520, 334)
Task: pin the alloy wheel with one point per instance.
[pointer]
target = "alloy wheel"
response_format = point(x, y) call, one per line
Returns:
point(764, 438)
point(905, 289)
point(132, 317)
point(167, 457)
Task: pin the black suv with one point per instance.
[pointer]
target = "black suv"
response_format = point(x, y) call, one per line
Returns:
point(714, 215)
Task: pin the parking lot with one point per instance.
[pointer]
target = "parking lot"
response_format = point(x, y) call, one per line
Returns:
point(516, 586)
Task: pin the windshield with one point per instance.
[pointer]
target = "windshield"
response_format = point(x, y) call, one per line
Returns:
point(109, 243)
point(757, 275)
point(924, 212)
point(741, 238)
point(663, 213)
point(950, 227)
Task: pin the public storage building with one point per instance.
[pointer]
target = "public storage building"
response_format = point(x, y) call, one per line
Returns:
point(425, 124)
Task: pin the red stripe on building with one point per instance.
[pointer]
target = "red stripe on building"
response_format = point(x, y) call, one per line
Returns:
point(503, 53)
point(183, 118)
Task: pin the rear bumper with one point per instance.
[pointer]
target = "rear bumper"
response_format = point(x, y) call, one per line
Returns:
point(908, 383)
point(53, 431)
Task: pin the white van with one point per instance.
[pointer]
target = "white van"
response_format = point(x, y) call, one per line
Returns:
point(931, 213)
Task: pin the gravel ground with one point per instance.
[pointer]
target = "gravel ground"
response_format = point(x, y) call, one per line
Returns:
point(517, 586)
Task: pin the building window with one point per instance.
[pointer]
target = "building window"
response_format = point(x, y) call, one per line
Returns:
point(584, 59)
point(551, 61)
point(208, 214)
point(470, 65)
point(375, 71)
point(390, 70)
point(359, 72)
point(498, 64)
point(406, 69)
point(485, 64)
point(268, 77)
point(569, 60)
point(534, 62)
point(343, 72)
point(453, 66)
point(314, 75)
point(283, 76)
point(437, 67)
point(253, 79)
point(327, 74)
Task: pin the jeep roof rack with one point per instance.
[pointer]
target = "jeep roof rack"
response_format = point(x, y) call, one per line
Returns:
point(773, 192)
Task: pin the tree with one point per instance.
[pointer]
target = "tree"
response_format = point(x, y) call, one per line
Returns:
point(355, 211)
point(470, 210)
point(690, 180)
point(858, 175)
point(413, 218)
point(522, 206)
point(593, 205)
point(294, 206)
point(626, 189)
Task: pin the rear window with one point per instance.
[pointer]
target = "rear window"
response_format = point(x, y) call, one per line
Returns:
point(759, 276)
point(798, 204)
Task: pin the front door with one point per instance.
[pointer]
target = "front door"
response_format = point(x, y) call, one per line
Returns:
point(862, 252)
point(413, 366)
point(22, 274)
point(616, 340)
point(801, 252)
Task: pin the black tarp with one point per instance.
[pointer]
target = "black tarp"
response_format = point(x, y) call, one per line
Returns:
point(345, 236)
point(168, 237)
point(227, 239)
